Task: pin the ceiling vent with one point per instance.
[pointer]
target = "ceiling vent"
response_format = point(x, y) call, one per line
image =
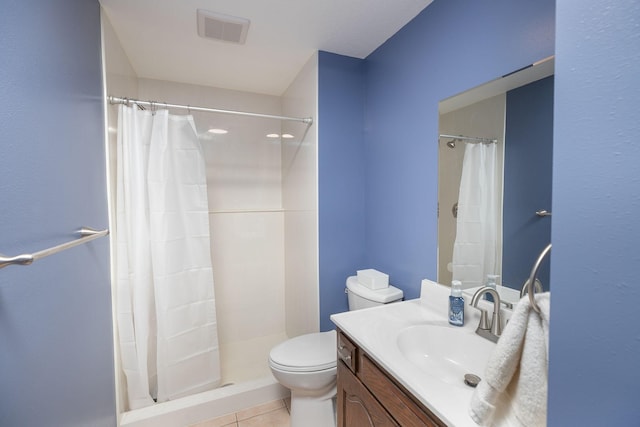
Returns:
point(226, 28)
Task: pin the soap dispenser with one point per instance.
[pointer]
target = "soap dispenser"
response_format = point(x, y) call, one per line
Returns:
point(456, 304)
point(492, 280)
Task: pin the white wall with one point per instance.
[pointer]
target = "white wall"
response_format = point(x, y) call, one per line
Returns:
point(300, 201)
point(120, 80)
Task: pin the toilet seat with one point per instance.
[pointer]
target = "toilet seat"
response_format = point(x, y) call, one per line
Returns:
point(306, 353)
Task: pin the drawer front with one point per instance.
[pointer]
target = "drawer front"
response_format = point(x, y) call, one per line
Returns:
point(347, 352)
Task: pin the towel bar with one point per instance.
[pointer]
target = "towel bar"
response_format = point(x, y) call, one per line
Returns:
point(86, 235)
point(533, 276)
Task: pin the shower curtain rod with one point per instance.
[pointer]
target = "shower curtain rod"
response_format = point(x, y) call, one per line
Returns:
point(155, 104)
point(472, 139)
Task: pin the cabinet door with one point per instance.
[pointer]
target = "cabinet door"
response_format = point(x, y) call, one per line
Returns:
point(394, 399)
point(356, 406)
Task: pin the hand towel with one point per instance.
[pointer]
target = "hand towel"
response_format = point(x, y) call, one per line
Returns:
point(516, 374)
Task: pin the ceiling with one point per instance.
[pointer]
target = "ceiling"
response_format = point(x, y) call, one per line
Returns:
point(160, 37)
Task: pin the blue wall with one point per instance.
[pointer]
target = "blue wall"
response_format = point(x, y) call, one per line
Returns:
point(445, 50)
point(528, 154)
point(341, 207)
point(595, 332)
point(55, 316)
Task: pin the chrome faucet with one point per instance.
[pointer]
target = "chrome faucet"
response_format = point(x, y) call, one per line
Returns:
point(493, 330)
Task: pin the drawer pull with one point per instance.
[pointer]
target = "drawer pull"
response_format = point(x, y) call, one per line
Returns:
point(344, 353)
point(341, 352)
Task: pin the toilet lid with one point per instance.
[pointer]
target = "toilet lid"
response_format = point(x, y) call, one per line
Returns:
point(310, 352)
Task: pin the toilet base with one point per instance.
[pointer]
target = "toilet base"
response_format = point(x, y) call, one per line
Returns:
point(313, 410)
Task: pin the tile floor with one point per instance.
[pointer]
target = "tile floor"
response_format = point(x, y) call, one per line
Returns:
point(272, 414)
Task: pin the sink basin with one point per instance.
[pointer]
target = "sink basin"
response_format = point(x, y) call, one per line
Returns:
point(445, 352)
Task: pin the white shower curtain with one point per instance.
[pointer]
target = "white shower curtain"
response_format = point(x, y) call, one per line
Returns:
point(475, 248)
point(165, 303)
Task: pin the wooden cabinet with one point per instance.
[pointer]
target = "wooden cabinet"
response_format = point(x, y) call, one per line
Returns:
point(356, 405)
point(368, 396)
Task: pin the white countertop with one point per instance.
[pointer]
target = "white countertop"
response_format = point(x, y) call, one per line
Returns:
point(375, 331)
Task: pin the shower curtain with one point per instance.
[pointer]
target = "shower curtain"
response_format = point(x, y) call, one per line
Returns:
point(475, 248)
point(165, 300)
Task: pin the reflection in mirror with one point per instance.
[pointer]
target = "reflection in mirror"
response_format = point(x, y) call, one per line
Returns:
point(494, 175)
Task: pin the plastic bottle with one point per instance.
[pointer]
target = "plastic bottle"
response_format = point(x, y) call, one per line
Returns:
point(492, 280)
point(456, 304)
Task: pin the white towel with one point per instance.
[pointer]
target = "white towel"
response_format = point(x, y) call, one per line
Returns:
point(515, 379)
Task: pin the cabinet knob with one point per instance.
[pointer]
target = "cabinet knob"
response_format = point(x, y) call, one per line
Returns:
point(341, 352)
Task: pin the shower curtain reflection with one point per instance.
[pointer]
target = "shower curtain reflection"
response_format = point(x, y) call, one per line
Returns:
point(165, 297)
point(475, 247)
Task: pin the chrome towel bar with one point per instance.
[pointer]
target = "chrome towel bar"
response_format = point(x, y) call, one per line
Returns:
point(532, 277)
point(86, 235)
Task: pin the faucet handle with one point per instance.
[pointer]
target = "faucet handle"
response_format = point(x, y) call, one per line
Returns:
point(496, 324)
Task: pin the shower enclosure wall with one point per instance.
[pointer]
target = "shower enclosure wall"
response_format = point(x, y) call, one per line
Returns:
point(263, 220)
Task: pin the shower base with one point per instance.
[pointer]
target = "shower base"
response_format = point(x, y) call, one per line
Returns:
point(246, 379)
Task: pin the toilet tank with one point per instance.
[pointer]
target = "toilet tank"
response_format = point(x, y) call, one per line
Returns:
point(362, 297)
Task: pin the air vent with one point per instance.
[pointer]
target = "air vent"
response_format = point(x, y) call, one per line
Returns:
point(221, 27)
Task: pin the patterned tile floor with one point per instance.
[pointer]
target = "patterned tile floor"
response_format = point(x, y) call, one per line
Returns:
point(272, 414)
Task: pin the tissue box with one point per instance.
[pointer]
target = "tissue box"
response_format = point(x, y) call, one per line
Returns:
point(373, 279)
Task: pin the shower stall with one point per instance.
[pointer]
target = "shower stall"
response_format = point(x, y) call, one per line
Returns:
point(262, 209)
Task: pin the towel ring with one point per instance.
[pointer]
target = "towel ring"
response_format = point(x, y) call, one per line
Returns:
point(533, 277)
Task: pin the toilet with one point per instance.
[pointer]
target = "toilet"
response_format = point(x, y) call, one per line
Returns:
point(307, 364)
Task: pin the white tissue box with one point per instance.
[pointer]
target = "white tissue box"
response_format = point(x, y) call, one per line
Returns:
point(373, 279)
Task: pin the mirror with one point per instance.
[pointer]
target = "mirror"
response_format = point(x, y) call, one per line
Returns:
point(507, 194)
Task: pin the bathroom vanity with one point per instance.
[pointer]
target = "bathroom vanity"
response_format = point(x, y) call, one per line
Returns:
point(368, 396)
point(402, 364)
